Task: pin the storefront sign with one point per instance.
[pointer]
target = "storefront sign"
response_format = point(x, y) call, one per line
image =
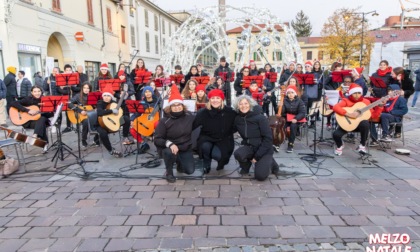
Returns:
point(29, 48)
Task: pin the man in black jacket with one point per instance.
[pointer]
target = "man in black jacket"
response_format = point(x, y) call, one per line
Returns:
point(10, 82)
point(226, 73)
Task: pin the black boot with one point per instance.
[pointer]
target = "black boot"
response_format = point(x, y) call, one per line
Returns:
point(220, 166)
point(206, 166)
point(245, 167)
point(275, 169)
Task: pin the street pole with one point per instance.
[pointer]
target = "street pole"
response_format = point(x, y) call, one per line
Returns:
point(361, 43)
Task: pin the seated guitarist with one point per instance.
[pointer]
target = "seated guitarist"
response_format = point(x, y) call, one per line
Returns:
point(355, 96)
point(81, 99)
point(101, 108)
point(40, 125)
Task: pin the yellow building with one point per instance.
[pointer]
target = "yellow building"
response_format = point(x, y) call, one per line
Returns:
point(311, 51)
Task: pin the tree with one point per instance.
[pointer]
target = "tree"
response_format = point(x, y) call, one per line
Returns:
point(342, 38)
point(302, 25)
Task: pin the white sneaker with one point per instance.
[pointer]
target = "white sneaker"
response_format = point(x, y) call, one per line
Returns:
point(339, 151)
point(361, 149)
point(45, 150)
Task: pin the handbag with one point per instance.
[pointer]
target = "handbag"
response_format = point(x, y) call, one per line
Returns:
point(8, 166)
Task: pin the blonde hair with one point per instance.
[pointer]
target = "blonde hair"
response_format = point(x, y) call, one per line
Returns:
point(209, 107)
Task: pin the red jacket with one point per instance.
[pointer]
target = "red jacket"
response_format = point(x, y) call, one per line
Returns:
point(345, 102)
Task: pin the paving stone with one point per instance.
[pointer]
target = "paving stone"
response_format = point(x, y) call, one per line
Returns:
point(194, 231)
point(209, 242)
point(172, 202)
point(170, 231)
point(160, 220)
point(146, 244)
point(287, 232)
point(12, 244)
point(192, 202)
point(318, 232)
point(119, 244)
point(281, 220)
point(65, 244)
point(342, 210)
point(176, 243)
point(161, 195)
point(209, 220)
point(66, 232)
point(185, 220)
point(67, 221)
point(115, 220)
point(262, 231)
point(300, 247)
point(293, 210)
point(263, 210)
point(226, 231)
point(356, 220)
point(203, 210)
point(91, 232)
point(316, 210)
point(381, 220)
point(143, 232)
point(371, 210)
point(305, 220)
point(349, 232)
point(242, 241)
point(18, 222)
point(230, 210)
point(37, 245)
point(236, 220)
point(178, 210)
point(39, 232)
point(221, 202)
point(42, 221)
point(331, 221)
point(115, 231)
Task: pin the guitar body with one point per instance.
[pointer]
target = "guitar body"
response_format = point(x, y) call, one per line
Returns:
point(325, 108)
point(72, 115)
point(350, 124)
point(24, 138)
point(145, 124)
point(19, 118)
point(111, 122)
point(277, 124)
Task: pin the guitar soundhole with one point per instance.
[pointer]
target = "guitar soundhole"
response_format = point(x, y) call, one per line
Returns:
point(112, 121)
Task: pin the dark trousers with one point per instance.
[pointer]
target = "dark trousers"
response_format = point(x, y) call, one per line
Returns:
point(85, 129)
point(363, 128)
point(9, 100)
point(68, 123)
point(210, 151)
point(266, 105)
point(245, 154)
point(139, 90)
point(184, 158)
point(103, 133)
point(293, 129)
point(386, 119)
point(39, 126)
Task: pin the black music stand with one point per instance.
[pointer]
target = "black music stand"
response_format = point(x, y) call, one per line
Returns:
point(135, 107)
point(57, 104)
point(67, 80)
point(322, 140)
point(314, 155)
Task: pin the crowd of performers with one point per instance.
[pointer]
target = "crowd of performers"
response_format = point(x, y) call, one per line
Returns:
point(209, 129)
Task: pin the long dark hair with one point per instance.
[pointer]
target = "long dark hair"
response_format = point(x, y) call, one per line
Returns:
point(137, 64)
point(86, 83)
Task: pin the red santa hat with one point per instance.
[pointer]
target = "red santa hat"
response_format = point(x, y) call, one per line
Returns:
point(104, 66)
point(201, 87)
point(292, 89)
point(357, 71)
point(354, 88)
point(175, 96)
point(251, 61)
point(216, 92)
point(108, 91)
point(308, 63)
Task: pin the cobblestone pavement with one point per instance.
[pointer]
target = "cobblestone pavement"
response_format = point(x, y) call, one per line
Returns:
point(119, 207)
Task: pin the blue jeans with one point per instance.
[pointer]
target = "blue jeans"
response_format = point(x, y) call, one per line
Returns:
point(413, 103)
point(386, 119)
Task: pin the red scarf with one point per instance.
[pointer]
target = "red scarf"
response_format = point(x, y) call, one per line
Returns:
point(391, 106)
point(384, 72)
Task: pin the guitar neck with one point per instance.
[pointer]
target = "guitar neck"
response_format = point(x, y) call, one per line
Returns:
point(374, 104)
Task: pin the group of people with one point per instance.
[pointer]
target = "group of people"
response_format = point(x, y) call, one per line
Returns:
point(211, 126)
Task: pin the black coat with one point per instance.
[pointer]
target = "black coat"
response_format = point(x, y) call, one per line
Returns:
point(217, 126)
point(53, 85)
point(25, 102)
point(255, 131)
point(174, 130)
point(285, 76)
point(10, 82)
point(25, 87)
point(417, 84)
point(378, 91)
point(82, 79)
point(295, 107)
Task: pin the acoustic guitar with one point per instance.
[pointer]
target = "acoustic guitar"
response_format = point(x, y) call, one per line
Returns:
point(112, 122)
point(72, 114)
point(145, 124)
point(350, 124)
point(19, 118)
point(24, 138)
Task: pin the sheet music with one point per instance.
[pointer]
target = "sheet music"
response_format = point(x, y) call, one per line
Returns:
point(56, 114)
point(333, 96)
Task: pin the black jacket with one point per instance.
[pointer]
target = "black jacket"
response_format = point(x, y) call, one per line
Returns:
point(82, 79)
point(224, 69)
point(10, 82)
point(53, 85)
point(255, 131)
point(25, 102)
point(25, 87)
point(295, 107)
point(217, 126)
point(101, 108)
point(237, 85)
point(285, 76)
point(378, 91)
point(174, 130)
point(75, 100)
point(253, 72)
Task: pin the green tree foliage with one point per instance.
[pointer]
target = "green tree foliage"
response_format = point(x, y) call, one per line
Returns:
point(302, 25)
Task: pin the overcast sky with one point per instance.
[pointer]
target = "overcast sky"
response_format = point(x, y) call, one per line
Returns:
point(317, 10)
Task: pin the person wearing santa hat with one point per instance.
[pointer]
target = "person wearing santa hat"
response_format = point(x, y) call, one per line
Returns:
point(257, 139)
point(103, 74)
point(201, 96)
point(295, 106)
point(357, 74)
point(173, 136)
point(102, 109)
point(216, 135)
point(287, 73)
point(355, 96)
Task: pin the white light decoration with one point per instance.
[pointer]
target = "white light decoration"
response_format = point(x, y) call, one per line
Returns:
point(207, 25)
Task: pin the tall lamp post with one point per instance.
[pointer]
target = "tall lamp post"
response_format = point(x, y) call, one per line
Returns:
point(374, 13)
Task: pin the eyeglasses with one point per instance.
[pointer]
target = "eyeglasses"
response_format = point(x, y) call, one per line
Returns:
point(246, 71)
